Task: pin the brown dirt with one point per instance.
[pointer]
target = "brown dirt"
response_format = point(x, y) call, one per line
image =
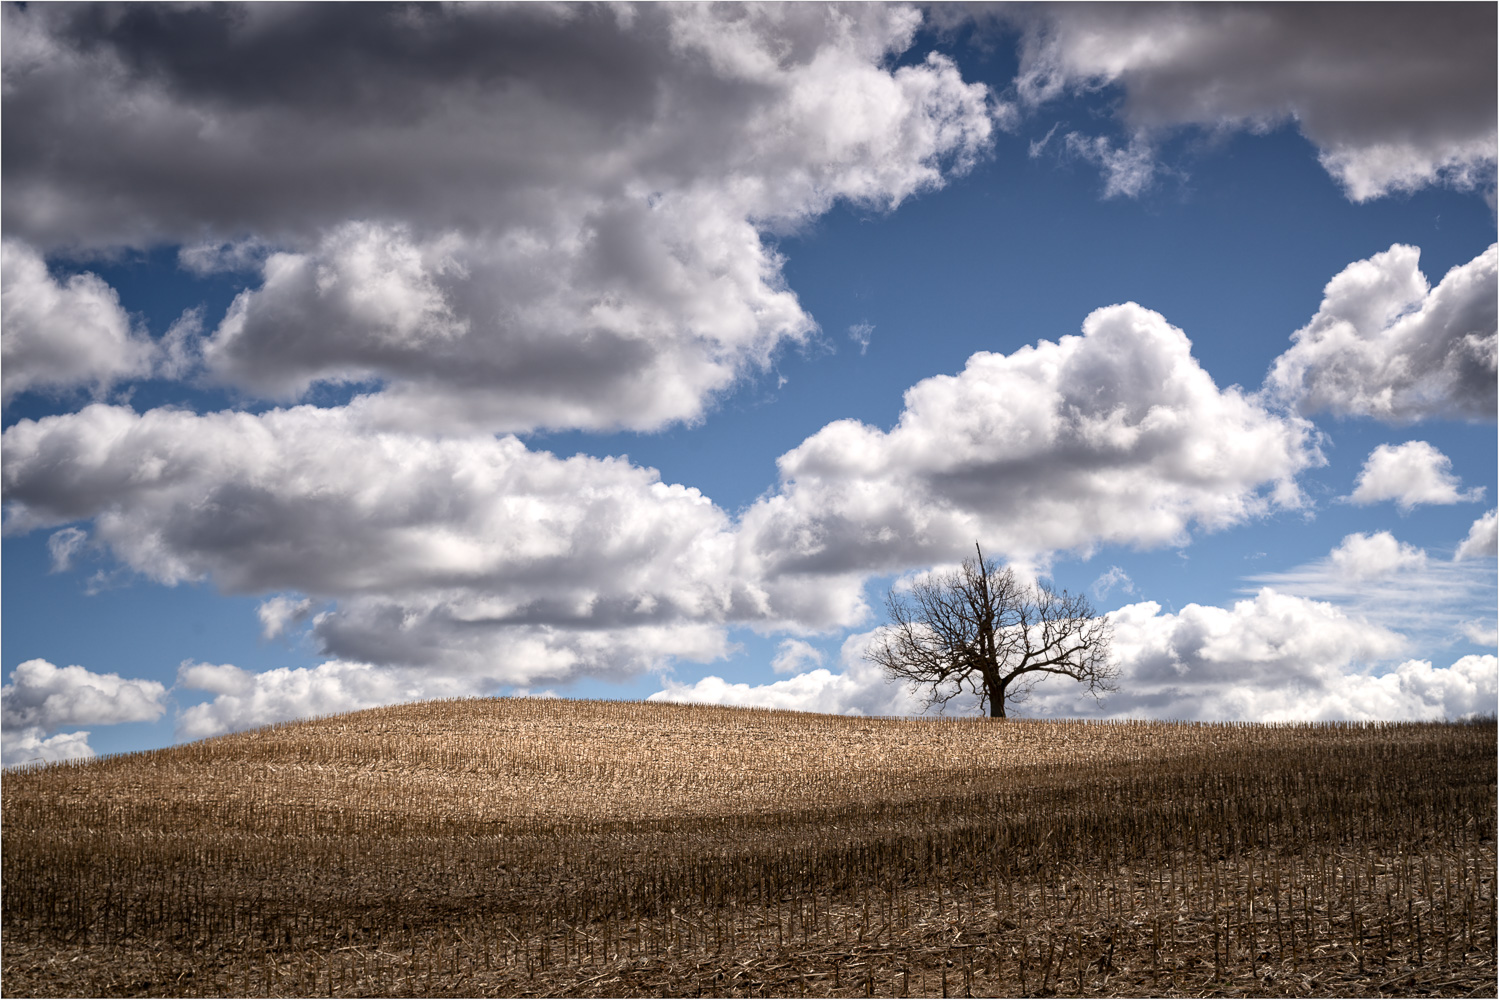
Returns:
point(523, 847)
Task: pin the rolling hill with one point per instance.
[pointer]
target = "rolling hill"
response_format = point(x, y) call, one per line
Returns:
point(546, 847)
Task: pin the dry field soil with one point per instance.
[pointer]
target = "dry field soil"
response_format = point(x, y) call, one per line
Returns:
point(558, 848)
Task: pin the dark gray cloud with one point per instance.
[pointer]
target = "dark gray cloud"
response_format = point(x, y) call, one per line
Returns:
point(149, 123)
point(513, 216)
point(1394, 96)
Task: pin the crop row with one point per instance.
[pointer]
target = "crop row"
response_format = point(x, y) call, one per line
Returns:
point(1290, 859)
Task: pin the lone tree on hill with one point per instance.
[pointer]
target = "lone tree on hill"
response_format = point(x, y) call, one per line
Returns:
point(978, 629)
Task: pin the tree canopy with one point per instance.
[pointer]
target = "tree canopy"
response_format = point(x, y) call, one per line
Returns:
point(979, 629)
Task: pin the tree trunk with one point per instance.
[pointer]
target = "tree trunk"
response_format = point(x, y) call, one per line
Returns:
point(996, 701)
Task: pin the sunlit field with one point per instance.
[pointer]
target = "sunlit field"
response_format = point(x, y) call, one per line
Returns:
point(563, 848)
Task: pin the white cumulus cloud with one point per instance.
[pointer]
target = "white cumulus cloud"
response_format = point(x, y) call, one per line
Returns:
point(1482, 539)
point(31, 745)
point(1361, 556)
point(468, 552)
point(244, 700)
point(42, 697)
point(217, 678)
point(1273, 657)
point(1385, 344)
point(1376, 577)
point(1115, 437)
point(1410, 474)
point(1417, 690)
point(50, 697)
point(859, 688)
point(794, 654)
point(279, 613)
point(60, 335)
point(1480, 632)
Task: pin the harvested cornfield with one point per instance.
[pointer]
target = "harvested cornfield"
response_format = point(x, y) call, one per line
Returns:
point(560, 848)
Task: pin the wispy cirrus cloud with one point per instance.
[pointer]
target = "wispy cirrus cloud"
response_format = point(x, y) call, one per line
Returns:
point(1379, 578)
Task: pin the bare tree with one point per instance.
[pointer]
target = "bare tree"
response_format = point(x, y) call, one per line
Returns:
point(978, 629)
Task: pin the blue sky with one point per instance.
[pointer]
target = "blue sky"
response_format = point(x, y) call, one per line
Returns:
point(631, 354)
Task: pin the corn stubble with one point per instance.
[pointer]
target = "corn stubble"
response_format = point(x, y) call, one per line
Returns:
point(530, 847)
